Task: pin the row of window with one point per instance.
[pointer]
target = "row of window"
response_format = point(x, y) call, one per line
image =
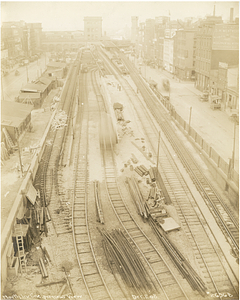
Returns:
point(203, 53)
point(204, 42)
point(203, 66)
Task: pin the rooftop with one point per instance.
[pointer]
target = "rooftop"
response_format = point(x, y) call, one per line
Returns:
point(13, 113)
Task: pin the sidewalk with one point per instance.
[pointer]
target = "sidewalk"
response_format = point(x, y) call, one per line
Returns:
point(11, 177)
point(214, 126)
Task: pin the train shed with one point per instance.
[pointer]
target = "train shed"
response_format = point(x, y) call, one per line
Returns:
point(109, 45)
point(15, 118)
point(33, 93)
point(57, 69)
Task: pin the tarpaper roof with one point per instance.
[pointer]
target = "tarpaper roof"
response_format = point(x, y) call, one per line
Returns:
point(56, 64)
point(34, 88)
point(13, 113)
point(44, 80)
point(29, 95)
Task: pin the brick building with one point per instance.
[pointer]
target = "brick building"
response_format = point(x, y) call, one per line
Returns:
point(93, 28)
point(185, 53)
point(216, 42)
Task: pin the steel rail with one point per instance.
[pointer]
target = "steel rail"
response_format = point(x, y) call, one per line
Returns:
point(177, 145)
point(91, 274)
point(146, 255)
point(142, 118)
point(174, 170)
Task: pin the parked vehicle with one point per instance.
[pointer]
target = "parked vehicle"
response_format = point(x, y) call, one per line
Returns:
point(166, 84)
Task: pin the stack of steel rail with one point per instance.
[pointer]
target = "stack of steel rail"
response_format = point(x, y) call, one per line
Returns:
point(179, 261)
point(121, 253)
point(137, 196)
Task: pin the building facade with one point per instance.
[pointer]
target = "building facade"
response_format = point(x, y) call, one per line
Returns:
point(216, 42)
point(93, 28)
point(134, 30)
point(185, 54)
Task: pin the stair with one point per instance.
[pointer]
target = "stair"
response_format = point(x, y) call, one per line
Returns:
point(20, 247)
point(9, 140)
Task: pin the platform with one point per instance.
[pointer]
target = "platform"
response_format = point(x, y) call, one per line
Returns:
point(169, 224)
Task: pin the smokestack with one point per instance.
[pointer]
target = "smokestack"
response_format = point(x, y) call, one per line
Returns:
point(231, 15)
point(214, 11)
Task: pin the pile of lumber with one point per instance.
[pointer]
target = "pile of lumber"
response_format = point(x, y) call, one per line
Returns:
point(141, 170)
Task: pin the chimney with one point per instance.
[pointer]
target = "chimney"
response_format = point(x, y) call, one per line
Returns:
point(231, 15)
point(214, 11)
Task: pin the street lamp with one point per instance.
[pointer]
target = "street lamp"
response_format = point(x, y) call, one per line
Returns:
point(159, 138)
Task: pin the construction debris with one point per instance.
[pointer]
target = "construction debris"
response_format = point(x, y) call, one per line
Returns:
point(60, 120)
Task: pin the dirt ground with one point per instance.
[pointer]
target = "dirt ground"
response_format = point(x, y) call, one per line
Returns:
point(129, 131)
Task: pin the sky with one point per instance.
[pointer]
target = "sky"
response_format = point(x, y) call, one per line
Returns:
point(66, 15)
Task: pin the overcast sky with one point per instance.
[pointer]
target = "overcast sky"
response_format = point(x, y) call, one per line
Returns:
point(65, 15)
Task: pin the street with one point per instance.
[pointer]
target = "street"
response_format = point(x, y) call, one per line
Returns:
point(215, 126)
point(11, 84)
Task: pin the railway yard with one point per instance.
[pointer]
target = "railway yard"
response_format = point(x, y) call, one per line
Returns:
point(126, 207)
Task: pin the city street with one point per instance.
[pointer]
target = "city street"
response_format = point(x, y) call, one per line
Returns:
point(215, 126)
point(11, 84)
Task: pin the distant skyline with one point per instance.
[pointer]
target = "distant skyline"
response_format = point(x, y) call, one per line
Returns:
point(66, 15)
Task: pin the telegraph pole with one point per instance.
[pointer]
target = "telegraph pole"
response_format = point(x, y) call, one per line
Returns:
point(159, 138)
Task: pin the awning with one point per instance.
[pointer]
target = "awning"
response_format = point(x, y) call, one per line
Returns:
point(31, 194)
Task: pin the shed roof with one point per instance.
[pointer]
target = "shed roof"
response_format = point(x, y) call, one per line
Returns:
point(29, 95)
point(108, 44)
point(44, 80)
point(56, 64)
point(13, 113)
point(34, 88)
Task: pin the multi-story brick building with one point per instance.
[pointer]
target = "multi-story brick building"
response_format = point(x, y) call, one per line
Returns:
point(134, 30)
point(149, 35)
point(216, 42)
point(11, 36)
point(93, 28)
point(21, 39)
point(185, 53)
point(161, 23)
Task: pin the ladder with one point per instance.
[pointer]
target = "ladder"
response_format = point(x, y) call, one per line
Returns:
point(9, 140)
point(20, 247)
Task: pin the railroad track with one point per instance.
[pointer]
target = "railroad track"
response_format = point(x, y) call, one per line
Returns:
point(164, 280)
point(205, 251)
point(96, 287)
point(223, 215)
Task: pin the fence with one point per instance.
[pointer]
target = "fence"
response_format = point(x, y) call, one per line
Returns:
point(210, 152)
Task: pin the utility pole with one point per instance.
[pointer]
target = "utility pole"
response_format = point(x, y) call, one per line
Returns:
point(2, 96)
point(27, 73)
point(234, 142)
point(19, 151)
point(159, 138)
point(190, 116)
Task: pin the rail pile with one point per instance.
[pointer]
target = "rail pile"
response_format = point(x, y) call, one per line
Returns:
point(121, 253)
point(180, 262)
point(137, 196)
point(98, 203)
